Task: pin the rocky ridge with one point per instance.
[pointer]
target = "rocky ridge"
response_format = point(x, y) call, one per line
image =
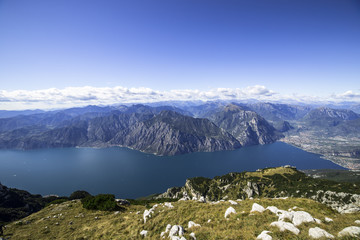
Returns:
point(246, 126)
point(272, 182)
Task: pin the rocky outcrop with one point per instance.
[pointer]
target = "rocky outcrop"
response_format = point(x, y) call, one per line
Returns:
point(340, 201)
point(246, 126)
point(272, 182)
point(251, 189)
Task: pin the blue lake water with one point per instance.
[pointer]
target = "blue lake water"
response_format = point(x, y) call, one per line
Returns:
point(131, 174)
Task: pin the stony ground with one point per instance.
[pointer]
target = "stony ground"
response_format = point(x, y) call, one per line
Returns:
point(70, 221)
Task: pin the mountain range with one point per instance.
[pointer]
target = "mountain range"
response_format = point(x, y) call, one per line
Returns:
point(182, 127)
point(160, 130)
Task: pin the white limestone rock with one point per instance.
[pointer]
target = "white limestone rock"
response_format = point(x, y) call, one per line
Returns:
point(143, 233)
point(327, 219)
point(192, 235)
point(232, 202)
point(350, 231)
point(357, 221)
point(257, 208)
point(202, 199)
point(302, 217)
point(169, 205)
point(285, 226)
point(168, 227)
point(264, 236)
point(317, 232)
point(318, 221)
point(229, 211)
point(283, 215)
point(147, 214)
point(176, 230)
point(272, 209)
point(192, 224)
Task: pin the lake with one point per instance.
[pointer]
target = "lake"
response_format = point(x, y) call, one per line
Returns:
point(130, 174)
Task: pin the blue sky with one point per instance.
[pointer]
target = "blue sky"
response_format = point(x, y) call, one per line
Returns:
point(291, 48)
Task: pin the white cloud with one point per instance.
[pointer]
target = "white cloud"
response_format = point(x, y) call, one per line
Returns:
point(348, 95)
point(81, 96)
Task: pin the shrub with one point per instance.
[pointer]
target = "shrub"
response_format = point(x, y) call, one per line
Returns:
point(58, 201)
point(79, 195)
point(103, 202)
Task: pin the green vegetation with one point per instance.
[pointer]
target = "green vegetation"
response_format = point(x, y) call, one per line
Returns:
point(58, 201)
point(72, 221)
point(335, 175)
point(79, 195)
point(103, 202)
point(270, 182)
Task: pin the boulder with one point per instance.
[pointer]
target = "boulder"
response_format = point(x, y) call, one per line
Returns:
point(272, 209)
point(282, 214)
point(143, 233)
point(122, 202)
point(264, 235)
point(302, 217)
point(202, 199)
point(257, 208)
point(192, 224)
point(168, 227)
point(317, 232)
point(318, 221)
point(192, 235)
point(350, 231)
point(233, 202)
point(176, 230)
point(357, 221)
point(147, 214)
point(327, 219)
point(285, 226)
point(229, 211)
point(169, 205)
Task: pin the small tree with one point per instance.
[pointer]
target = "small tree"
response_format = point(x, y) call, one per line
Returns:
point(79, 195)
point(103, 202)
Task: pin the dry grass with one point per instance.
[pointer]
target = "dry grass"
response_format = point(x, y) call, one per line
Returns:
point(128, 224)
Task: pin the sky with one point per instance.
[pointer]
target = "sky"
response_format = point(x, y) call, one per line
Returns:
point(66, 53)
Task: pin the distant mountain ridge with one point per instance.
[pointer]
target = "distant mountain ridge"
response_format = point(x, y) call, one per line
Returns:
point(162, 130)
point(248, 127)
point(177, 129)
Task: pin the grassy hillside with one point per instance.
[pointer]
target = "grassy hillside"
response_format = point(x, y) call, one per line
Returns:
point(70, 220)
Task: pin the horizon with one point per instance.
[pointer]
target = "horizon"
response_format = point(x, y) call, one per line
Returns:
point(62, 54)
point(56, 99)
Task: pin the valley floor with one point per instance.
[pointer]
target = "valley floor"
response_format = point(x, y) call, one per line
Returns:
point(342, 151)
point(70, 220)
